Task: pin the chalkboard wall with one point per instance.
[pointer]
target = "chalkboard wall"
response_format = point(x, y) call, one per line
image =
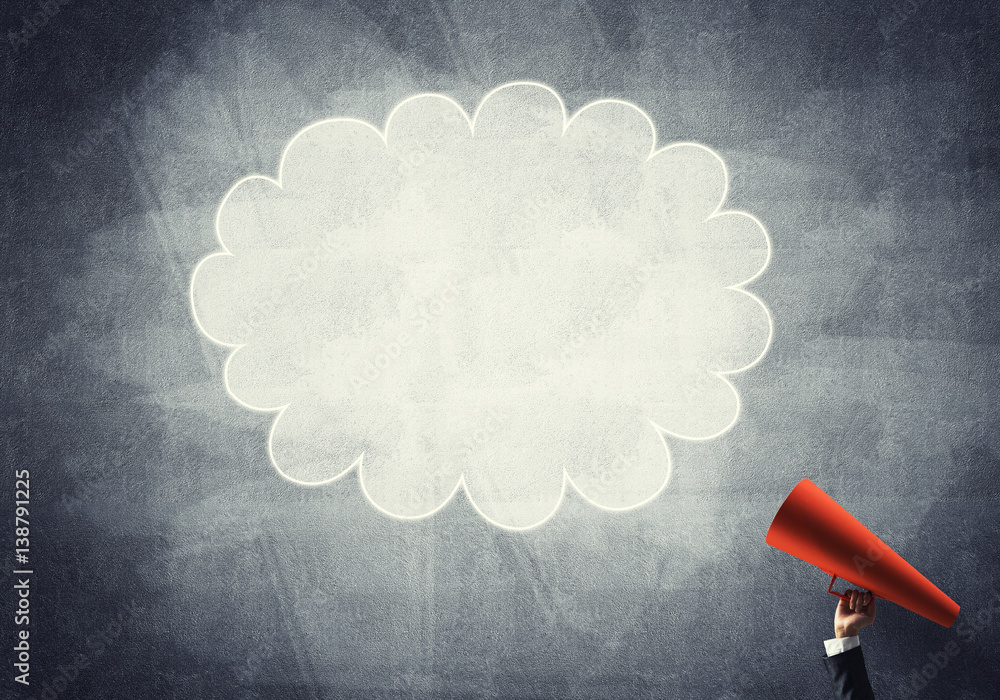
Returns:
point(170, 559)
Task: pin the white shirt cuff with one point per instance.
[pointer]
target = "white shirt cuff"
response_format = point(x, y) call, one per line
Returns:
point(840, 645)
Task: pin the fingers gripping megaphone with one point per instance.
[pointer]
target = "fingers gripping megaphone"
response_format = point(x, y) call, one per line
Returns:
point(813, 527)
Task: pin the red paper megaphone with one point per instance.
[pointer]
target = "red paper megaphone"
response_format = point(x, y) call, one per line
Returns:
point(815, 528)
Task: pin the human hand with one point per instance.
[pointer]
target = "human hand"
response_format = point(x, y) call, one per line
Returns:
point(851, 617)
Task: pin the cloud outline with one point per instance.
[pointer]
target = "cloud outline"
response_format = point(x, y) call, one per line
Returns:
point(460, 484)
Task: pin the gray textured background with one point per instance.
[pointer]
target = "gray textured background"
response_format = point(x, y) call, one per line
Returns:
point(862, 135)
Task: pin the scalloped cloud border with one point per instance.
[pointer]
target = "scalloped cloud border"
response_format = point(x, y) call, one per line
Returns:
point(461, 485)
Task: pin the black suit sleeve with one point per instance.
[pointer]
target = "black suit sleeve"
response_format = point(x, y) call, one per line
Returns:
point(849, 675)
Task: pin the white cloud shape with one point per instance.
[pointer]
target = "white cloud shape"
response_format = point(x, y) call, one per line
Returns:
point(512, 303)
